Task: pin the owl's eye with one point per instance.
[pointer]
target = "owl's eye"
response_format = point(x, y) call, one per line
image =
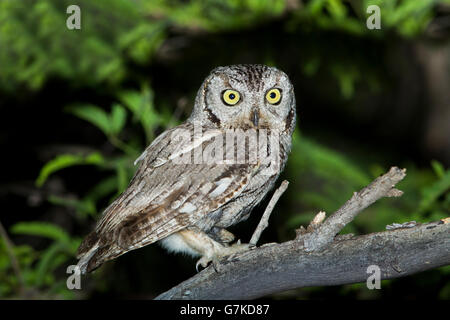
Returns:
point(273, 96)
point(231, 97)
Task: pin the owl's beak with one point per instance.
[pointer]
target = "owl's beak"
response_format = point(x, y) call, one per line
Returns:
point(254, 117)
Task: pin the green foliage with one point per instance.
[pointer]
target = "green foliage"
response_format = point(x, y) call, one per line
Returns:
point(431, 193)
point(65, 161)
point(142, 107)
point(85, 206)
point(216, 15)
point(110, 124)
point(37, 268)
point(41, 229)
point(406, 17)
point(37, 45)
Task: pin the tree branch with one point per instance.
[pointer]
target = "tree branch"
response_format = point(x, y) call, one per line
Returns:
point(287, 266)
point(264, 222)
point(318, 258)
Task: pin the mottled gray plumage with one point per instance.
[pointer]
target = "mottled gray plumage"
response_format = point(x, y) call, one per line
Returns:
point(188, 205)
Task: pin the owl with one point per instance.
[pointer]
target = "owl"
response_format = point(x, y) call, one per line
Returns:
point(205, 175)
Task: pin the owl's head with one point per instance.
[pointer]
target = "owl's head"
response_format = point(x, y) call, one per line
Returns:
point(246, 96)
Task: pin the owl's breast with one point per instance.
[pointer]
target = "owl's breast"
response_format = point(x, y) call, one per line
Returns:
point(239, 208)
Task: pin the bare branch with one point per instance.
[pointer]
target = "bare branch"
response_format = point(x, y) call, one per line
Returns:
point(317, 257)
point(264, 222)
point(279, 267)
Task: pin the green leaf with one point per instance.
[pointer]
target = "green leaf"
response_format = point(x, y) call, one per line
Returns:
point(336, 8)
point(118, 118)
point(94, 115)
point(431, 193)
point(142, 107)
point(42, 229)
point(65, 161)
point(48, 261)
point(84, 206)
point(122, 178)
point(438, 168)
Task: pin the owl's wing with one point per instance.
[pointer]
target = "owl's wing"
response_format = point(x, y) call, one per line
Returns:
point(162, 198)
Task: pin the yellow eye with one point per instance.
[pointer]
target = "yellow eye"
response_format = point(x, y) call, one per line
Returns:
point(231, 97)
point(273, 96)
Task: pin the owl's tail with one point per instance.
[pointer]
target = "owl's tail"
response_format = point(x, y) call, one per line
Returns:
point(85, 259)
point(88, 248)
point(94, 251)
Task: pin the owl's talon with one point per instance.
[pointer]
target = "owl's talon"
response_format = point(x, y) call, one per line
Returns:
point(237, 248)
point(203, 262)
point(226, 253)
